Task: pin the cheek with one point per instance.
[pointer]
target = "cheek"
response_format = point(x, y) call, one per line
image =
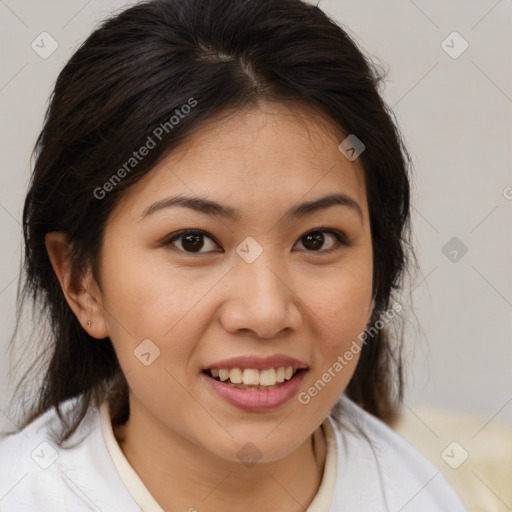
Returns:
point(157, 302)
point(152, 323)
point(339, 307)
point(342, 302)
point(148, 298)
point(341, 313)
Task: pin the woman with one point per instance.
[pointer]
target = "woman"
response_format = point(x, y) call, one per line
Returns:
point(215, 225)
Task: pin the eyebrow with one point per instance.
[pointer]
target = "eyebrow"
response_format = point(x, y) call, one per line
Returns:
point(215, 209)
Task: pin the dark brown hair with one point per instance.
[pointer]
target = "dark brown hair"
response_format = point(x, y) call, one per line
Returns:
point(127, 80)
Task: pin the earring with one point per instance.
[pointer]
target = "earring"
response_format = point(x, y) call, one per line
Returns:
point(89, 323)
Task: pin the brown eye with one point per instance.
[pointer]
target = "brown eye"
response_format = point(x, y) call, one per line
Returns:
point(192, 241)
point(314, 240)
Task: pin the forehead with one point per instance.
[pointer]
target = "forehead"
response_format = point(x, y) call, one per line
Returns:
point(258, 158)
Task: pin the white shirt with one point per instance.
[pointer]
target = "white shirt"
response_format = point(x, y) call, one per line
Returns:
point(94, 474)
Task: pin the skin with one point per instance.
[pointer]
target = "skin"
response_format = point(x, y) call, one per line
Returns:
point(202, 307)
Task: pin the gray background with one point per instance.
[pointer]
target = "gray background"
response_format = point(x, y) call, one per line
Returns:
point(455, 115)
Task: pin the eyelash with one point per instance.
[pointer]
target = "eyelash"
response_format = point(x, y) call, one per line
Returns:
point(341, 240)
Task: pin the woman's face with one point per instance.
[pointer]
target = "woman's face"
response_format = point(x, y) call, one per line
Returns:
point(251, 285)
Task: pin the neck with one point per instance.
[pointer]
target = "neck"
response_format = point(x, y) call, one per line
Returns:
point(182, 475)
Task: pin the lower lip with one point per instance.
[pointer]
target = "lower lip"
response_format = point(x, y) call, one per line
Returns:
point(255, 400)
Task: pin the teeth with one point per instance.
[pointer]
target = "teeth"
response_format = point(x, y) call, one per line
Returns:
point(267, 377)
point(252, 377)
point(235, 375)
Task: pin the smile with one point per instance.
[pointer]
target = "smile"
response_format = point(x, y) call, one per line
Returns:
point(252, 378)
point(255, 390)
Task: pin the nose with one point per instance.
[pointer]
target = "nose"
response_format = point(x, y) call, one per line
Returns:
point(260, 299)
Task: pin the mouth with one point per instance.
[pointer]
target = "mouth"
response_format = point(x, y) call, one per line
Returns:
point(252, 379)
point(254, 390)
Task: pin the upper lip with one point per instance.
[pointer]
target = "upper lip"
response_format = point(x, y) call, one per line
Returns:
point(258, 362)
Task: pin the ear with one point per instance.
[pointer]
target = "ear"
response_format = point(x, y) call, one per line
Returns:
point(81, 291)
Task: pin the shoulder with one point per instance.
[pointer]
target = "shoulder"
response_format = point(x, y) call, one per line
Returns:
point(31, 463)
point(379, 470)
point(38, 475)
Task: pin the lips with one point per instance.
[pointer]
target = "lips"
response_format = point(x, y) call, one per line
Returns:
point(255, 383)
point(255, 398)
point(258, 363)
